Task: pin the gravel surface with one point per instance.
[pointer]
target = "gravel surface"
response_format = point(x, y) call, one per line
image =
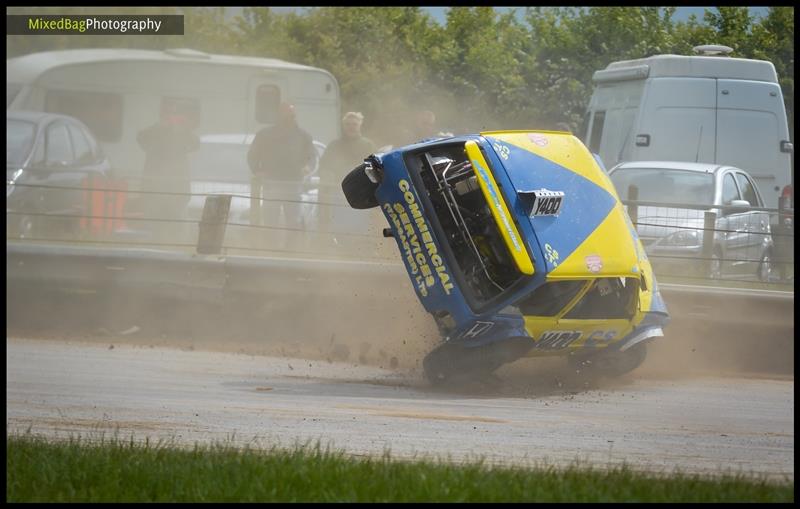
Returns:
point(699, 424)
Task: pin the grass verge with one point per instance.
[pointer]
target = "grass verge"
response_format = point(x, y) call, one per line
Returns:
point(117, 470)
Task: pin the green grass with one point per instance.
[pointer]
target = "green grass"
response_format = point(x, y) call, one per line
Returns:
point(116, 470)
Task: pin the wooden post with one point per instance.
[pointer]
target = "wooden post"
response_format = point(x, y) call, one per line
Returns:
point(212, 226)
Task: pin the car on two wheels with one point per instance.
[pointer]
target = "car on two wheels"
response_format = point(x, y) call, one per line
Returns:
point(518, 245)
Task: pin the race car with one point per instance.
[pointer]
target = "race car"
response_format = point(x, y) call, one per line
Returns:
point(518, 245)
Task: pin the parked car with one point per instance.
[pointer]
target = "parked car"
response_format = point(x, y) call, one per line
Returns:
point(518, 246)
point(671, 233)
point(44, 152)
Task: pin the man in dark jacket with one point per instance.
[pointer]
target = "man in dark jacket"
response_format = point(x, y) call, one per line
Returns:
point(166, 145)
point(281, 152)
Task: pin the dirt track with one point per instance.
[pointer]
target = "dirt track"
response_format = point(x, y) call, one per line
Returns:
point(650, 421)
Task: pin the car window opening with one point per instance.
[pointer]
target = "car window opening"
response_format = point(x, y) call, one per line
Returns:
point(608, 298)
point(477, 244)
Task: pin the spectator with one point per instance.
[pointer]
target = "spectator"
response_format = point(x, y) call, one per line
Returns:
point(424, 127)
point(166, 145)
point(347, 152)
point(283, 152)
point(342, 155)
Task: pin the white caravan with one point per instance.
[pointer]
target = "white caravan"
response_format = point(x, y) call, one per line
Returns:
point(708, 109)
point(118, 92)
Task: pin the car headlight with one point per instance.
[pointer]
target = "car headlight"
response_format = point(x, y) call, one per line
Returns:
point(682, 238)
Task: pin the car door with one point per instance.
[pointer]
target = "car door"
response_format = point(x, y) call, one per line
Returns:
point(733, 225)
point(756, 222)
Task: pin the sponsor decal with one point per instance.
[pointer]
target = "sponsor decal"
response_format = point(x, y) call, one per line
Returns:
point(538, 139)
point(551, 255)
point(424, 261)
point(594, 263)
point(478, 329)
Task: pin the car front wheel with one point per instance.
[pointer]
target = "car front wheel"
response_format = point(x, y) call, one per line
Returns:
point(359, 189)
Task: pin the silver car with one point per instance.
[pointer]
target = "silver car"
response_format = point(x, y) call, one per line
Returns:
point(674, 231)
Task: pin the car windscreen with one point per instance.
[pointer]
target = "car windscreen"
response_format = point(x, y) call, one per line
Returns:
point(19, 140)
point(665, 185)
point(12, 90)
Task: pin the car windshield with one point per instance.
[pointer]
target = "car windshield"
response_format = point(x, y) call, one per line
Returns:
point(665, 185)
point(19, 140)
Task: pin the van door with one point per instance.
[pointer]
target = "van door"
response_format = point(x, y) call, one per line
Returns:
point(751, 124)
point(679, 118)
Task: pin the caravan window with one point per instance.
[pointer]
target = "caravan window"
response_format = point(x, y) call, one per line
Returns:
point(597, 131)
point(100, 111)
point(268, 99)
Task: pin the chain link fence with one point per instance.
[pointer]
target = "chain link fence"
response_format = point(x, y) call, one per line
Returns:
point(708, 244)
point(688, 242)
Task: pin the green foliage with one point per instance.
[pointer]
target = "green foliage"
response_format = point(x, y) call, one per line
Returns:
point(481, 70)
point(119, 470)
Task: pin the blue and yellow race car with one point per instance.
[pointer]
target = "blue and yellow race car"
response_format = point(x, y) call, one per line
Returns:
point(517, 243)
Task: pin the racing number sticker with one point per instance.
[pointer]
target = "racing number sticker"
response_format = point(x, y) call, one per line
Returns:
point(551, 255)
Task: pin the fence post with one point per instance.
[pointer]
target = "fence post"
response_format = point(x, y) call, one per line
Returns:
point(633, 208)
point(709, 227)
point(212, 225)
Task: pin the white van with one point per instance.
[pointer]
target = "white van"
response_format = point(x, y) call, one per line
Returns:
point(708, 109)
point(118, 92)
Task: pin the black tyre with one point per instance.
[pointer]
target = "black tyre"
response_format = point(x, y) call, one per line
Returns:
point(359, 189)
point(452, 362)
point(610, 364)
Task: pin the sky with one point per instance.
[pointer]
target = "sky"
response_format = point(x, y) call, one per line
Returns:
point(439, 13)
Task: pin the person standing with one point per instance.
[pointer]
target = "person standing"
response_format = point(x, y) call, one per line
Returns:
point(340, 157)
point(345, 153)
point(166, 145)
point(281, 152)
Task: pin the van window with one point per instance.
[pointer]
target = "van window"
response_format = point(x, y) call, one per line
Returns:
point(729, 190)
point(597, 131)
point(100, 111)
point(748, 191)
point(268, 99)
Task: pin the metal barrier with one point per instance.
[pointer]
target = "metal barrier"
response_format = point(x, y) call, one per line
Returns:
point(310, 301)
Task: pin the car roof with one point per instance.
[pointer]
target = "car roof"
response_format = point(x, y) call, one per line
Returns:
point(673, 165)
point(37, 116)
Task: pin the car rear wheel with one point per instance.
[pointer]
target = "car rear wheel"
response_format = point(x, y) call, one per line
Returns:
point(359, 189)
